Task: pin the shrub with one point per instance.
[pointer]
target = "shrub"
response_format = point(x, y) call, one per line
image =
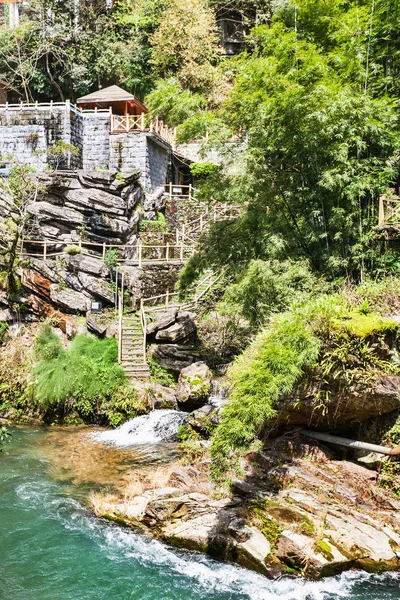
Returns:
point(268, 287)
point(3, 332)
point(202, 170)
point(111, 258)
point(73, 250)
point(85, 378)
point(267, 369)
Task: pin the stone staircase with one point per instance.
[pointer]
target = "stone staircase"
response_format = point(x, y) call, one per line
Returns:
point(132, 359)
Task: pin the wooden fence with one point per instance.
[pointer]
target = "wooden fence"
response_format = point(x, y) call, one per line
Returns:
point(136, 253)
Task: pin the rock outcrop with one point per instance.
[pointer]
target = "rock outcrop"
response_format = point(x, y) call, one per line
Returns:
point(309, 514)
point(194, 386)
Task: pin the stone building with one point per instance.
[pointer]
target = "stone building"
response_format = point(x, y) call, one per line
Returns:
point(110, 128)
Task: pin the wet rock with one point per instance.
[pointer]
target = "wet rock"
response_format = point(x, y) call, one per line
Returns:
point(315, 560)
point(204, 419)
point(194, 386)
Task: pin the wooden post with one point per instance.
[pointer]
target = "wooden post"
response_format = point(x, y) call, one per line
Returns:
point(170, 190)
point(181, 255)
point(167, 298)
point(120, 311)
point(167, 252)
point(45, 250)
point(190, 191)
point(127, 123)
point(381, 219)
point(104, 251)
point(183, 232)
point(142, 121)
point(140, 254)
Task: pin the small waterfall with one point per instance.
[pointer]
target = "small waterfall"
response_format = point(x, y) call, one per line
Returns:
point(157, 426)
point(219, 393)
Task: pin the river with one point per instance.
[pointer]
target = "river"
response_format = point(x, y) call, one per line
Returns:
point(52, 548)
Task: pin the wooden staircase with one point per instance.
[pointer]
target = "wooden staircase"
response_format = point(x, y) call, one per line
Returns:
point(133, 356)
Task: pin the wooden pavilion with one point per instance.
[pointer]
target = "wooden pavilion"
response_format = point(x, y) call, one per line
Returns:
point(127, 111)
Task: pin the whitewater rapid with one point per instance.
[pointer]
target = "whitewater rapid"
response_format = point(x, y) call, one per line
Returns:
point(157, 426)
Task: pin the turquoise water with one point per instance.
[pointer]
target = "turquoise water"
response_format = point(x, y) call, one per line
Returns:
point(52, 548)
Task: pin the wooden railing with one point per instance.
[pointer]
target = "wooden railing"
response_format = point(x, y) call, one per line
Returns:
point(126, 123)
point(163, 301)
point(137, 253)
point(389, 211)
point(50, 106)
point(131, 123)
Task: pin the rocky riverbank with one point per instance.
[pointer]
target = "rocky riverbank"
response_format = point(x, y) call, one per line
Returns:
point(298, 509)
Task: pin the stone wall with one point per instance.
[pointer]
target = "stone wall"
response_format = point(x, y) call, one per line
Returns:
point(157, 164)
point(151, 280)
point(25, 131)
point(128, 152)
point(95, 142)
point(140, 150)
point(26, 143)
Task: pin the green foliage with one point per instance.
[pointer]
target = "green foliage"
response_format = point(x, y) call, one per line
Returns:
point(5, 436)
point(389, 476)
point(270, 286)
point(158, 374)
point(258, 516)
point(162, 102)
point(59, 152)
point(84, 378)
point(318, 152)
point(73, 250)
point(111, 258)
point(3, 332)
point(268, 369)
point(202, 170)
point(159, 226)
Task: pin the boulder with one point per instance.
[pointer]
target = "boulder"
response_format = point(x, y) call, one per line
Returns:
point(194, 386)
point(315, 559)
point(343, 407)
point(97, 287)
point(69, 300)
point(175, 357)
point(95, 199)
point(45, 211)
point(87, 264)
point(161, 321)
point(6, 315)
point(165, 509)
point(204, 419)
point(162, 397)
point(179, 331)
point(96, 325)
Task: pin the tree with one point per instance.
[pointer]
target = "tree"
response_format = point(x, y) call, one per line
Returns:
point(16, 194)
point(317, 153)
point(186, 43)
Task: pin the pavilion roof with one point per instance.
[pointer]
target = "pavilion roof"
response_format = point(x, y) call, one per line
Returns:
point(110, 94)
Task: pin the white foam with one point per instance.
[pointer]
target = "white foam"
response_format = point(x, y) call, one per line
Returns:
point(157, 426)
